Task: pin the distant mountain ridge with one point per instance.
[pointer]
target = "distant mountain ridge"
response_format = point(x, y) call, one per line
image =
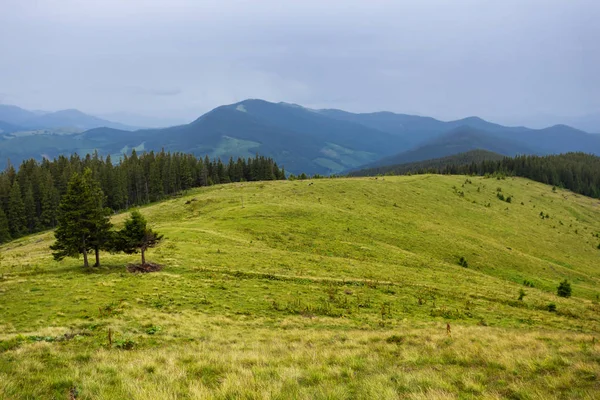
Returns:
point(298, 138)
point(60, 119)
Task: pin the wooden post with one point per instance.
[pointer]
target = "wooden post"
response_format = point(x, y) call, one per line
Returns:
point(448, 330)
point(109, 337)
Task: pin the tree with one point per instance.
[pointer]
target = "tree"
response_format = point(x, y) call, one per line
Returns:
point(136, 236)
point(83, 223)
point(16, 211)
point(564, 289)
point(4, 230)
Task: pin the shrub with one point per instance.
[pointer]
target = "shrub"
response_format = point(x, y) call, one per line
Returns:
point(528, 283)
point(153, 329)
point(509, 199)
point(463, 262)
point(551, 307)
point(500, 196)
point(521, 294)
point(564, 289)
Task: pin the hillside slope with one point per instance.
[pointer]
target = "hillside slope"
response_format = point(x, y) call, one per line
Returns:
point(323, 289)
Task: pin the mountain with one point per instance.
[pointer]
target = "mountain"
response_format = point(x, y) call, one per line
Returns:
point(5, 128)
point(298, 138)
point(71, 118)
point(301, 139)
point(458, 140)
point(472, 156)
point(15, 115)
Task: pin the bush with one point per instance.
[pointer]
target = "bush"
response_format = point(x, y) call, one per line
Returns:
point(521, 294)
point(552, 307)
point(500, 196)
point(528, 283)
point(564, 289)
point(463, 262)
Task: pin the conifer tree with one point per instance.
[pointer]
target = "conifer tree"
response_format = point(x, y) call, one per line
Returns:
point(30, 209)
point(136, 236)
point(16, 211)
point(4, 229)
point(83, 223)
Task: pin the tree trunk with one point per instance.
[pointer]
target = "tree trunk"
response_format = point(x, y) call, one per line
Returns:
point(97, 250)
point(85, 258)
point(143, 256)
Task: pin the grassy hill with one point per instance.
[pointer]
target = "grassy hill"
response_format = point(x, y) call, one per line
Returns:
point(334, 288)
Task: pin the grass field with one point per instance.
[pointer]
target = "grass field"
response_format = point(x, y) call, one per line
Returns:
point(327, 289)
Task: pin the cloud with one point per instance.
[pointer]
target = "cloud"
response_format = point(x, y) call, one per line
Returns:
point(183, 57)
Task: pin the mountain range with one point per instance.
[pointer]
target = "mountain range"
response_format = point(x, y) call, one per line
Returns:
point(72, 119)
point(299, 138)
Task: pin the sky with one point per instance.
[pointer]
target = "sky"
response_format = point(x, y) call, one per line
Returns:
point(510, 61)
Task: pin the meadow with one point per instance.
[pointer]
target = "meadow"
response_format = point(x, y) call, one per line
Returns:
point(325, 289)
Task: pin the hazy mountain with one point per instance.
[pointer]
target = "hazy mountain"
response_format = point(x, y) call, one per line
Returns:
point(301, 139)
point(298, 138)
point(15, 115)
point(458, 140)
point(415, 129)
point(5, 128)
point(71, 118)
point(472, 156)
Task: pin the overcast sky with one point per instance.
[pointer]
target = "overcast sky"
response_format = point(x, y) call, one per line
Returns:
point(501, 59)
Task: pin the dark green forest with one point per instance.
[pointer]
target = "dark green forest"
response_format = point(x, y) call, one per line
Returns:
point(578, 172)
point(30, 194)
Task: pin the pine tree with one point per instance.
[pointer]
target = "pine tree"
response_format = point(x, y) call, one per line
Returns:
point(4, 229)
point(30, 209)
point(83, 223)
point(136, 236)
point(16, 211)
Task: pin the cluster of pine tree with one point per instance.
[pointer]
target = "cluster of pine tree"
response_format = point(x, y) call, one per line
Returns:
point(578, 172)
point(30, 196)
point(84, 224)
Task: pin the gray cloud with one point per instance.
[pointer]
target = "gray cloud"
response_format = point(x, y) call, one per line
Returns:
point(179, 58)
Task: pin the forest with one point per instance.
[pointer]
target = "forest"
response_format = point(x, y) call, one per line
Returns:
point(578, 172)
point(30, 194)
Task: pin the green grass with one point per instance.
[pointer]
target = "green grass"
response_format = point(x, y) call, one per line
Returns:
point(333, 288)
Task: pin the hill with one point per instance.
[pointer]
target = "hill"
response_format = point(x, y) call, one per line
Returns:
point(436, 164)
point(328, 289)
point(458, 140)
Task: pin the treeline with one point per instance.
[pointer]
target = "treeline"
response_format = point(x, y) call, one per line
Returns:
point(434, 164)
point(30, 195)
point(578, 172)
